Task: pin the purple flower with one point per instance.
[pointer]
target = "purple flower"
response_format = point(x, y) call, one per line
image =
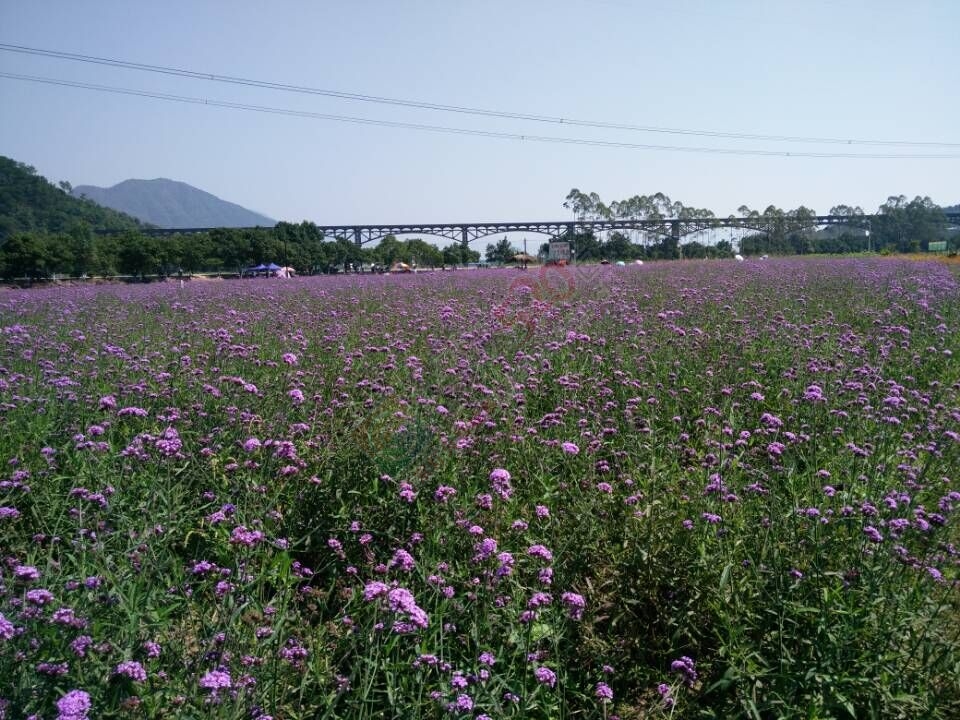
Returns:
point(575, 604)
point(444, 493)
point(73, 706)
point(873, 535)
point(52, 669)
point(401, 600)
point(776, 449)
point(686, 667)
point(80, 645)
point(375, 589)
point(402, 560)
point(603, 691)
point(131, 669)
point(485, 548)
point(39, 597)
point(242, 536)
point(569, 448)
point(294, 653)
point(711, 518)
point(464, 703)
point(771, 421)
point(546, 676)
point(500, 475)
point(487, 659)
point(9, 513)
point(500, 482)
point(216, 680)
point(539, 551)
point(26, 573)
point(539, 599)
point(7, 628)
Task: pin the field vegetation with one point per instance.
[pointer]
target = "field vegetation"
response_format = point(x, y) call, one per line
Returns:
point(696, 490)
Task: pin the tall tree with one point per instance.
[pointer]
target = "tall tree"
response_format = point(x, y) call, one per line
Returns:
point(502, 252)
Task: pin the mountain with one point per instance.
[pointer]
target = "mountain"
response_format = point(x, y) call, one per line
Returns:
point(171, 204)
point(31, 203)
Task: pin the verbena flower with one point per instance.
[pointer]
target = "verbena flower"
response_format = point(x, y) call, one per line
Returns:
point(216, 680)
point(131, 669)
point(545, 676)
point(74, 706)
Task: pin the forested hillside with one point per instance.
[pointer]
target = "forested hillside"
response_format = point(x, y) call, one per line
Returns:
point(30, 203)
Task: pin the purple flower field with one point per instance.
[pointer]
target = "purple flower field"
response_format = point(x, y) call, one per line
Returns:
point(697, 489)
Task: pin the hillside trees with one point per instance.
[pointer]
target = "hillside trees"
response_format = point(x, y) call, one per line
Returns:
point(30, 203)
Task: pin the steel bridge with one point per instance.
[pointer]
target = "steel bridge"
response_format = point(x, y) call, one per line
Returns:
point(675, 228)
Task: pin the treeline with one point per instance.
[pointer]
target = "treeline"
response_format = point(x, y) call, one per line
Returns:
point(588, 247)
point(899, 225)
point(80, 252)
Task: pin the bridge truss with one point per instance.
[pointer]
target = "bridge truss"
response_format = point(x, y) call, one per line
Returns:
point(675, 228)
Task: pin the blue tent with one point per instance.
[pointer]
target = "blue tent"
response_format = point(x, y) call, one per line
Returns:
point(272, 267)
point(259, 268)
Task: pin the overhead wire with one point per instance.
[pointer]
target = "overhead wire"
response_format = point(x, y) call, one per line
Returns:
point(466, 131)
point(483, 112)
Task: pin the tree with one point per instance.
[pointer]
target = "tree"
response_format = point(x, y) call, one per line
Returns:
point(908, 226)
point(617, 247)
point(391, 250)
point(584, 246)
point(81, 249)
point(457, 254)
point(24, 255)
point(30, 203)
point(502, 252)
point(138, 254)
point(724, 249)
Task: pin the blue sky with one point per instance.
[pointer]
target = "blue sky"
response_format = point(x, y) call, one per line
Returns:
point(861, 70)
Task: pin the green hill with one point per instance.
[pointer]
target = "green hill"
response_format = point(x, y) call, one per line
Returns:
point(30, 203)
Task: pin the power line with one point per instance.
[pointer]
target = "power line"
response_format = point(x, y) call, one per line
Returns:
point(467, 131)
point(484, 112)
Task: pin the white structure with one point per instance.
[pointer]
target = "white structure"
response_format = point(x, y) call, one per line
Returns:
point(559, 251)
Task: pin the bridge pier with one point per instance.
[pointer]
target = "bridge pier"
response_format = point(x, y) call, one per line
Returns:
point(464, 238)
point(357, 237)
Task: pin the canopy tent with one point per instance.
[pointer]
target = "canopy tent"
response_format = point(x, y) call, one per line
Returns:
point(523, 257)
point(261, 268)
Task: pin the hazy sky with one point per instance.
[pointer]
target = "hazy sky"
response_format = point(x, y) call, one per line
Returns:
point(852, 70)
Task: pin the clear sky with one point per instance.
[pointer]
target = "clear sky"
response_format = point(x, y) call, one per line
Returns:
point(856, 70)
